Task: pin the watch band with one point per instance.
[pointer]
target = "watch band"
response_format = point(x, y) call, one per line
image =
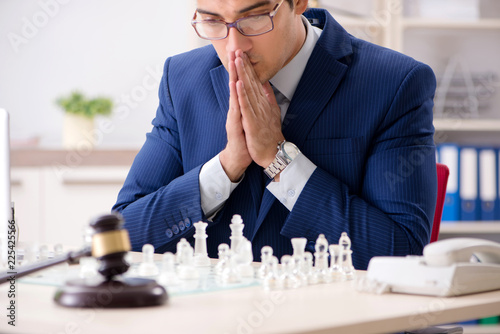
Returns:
point(277, 165)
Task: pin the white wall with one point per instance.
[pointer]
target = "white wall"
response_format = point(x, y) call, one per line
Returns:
point(115, 48)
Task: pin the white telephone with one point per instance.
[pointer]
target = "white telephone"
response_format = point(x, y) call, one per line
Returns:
point(451, 267)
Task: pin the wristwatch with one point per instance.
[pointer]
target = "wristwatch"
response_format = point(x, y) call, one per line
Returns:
point(286, 153)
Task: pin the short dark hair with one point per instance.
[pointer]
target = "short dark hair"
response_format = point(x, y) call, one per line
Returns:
point(290, 2)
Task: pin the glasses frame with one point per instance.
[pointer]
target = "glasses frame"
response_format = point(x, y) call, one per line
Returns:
point(235, 24)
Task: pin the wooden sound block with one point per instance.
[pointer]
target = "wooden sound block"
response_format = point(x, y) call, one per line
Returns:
point(114, 293)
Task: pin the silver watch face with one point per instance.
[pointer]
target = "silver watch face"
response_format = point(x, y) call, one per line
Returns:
point(290, 150)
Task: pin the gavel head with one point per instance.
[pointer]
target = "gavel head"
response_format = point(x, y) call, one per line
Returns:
point(110, 244)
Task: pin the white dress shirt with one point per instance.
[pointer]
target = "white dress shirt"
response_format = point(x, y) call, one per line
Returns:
point(216, 187)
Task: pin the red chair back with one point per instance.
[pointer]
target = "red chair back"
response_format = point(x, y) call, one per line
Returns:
point(442, 180)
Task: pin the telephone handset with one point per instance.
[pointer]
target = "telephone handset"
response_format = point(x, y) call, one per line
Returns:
point(447, 252)
point(450, 267)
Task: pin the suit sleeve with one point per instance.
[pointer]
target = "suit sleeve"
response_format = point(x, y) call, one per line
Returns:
point(393, 212)
point(159, 199)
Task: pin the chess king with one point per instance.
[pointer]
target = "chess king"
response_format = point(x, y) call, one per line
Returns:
point(292, 123)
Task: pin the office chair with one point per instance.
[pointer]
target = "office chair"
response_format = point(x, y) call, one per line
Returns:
point(442, 179)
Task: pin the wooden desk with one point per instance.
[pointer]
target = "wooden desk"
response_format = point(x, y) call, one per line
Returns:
point(324, 308)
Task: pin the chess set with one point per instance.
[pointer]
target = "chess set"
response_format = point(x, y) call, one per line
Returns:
point(190, 270)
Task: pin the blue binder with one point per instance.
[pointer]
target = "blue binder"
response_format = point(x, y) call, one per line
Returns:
point(448, 154)
point(488, 183)
point(469, 185)
point(497, 202)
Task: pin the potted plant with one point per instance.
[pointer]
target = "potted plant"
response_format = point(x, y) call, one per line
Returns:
point(79, 118)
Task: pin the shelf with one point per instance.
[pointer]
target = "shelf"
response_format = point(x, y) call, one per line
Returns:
point(481, 329)
point(413, 23)
point(460, 124)
point(470, 227)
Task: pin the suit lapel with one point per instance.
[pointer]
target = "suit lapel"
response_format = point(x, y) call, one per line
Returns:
point(220, 82)
point(322, 75)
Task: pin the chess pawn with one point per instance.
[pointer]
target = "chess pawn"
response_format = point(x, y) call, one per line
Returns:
point(148, 268)
point(88, 267)
point(224, 259)
point(244, 258)
point(265, 255)
point(321, 259)
point(288, 276)
point(312, 275)
point(200, 245)
point(43, 254)
point(236, 227)
point(186, 269)
point(30, 254)
point(335, 263)
point(230, 274)
point(63, 267)
point(273, 279)
point(168, 276)
point(180, 247)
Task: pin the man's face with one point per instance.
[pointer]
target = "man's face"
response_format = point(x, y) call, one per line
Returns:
point(269, 52)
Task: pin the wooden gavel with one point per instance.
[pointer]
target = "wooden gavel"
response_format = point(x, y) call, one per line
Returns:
point(110, 244)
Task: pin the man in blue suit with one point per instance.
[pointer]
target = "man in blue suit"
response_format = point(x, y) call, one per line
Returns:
point(294, 124)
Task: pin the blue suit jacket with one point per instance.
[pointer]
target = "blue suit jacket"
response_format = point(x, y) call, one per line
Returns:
point(361, 113)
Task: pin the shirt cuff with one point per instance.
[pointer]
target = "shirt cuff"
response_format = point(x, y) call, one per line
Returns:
point(293, 179)
point(215, 186)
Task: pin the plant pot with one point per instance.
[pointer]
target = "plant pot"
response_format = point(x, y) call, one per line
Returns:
point(78, 132)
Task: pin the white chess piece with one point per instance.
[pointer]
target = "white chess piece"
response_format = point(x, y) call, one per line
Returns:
point(236, 227)
point(321, 259)
point(230, 274)
point(266, 253)
point(289, 277)
point(181, 245)
point(201, 258)
point(62, 268)
point(168, 276)
point(88, 267)
point(312, 275)
point(273, 279)
point(186, 269)
point(299, 247)
point(148, 268)
point(224, 259)
point(335, 263)
point(244, 258)
point(346, 256)
point(43, 254)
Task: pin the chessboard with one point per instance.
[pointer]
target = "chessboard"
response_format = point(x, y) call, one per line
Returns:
point(206, 282)
point(190, 270)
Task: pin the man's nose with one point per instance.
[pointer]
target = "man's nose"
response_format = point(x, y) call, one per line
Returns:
point(235, 41)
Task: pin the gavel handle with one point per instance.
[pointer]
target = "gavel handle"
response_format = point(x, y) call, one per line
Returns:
point(70, 257)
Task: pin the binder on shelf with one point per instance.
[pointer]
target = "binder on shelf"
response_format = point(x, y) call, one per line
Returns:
point(487, 184)
point(497, 213)
point(449, 155)
point(468, 181)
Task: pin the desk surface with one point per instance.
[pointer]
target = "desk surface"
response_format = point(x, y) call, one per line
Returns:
point(320, 308)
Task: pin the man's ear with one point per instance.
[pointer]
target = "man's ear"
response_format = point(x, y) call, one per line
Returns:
point(300, 6)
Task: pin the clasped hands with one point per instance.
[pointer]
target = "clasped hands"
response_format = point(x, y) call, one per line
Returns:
point(253, 123)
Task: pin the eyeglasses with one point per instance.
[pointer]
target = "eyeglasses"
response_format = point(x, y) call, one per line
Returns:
point(253, 25)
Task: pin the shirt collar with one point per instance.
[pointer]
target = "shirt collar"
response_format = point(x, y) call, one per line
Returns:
point(287, 79)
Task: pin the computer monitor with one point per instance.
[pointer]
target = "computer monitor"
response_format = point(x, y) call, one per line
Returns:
point(5, 204)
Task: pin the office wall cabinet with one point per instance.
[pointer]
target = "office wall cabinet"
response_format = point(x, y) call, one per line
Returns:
point(55, 201)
